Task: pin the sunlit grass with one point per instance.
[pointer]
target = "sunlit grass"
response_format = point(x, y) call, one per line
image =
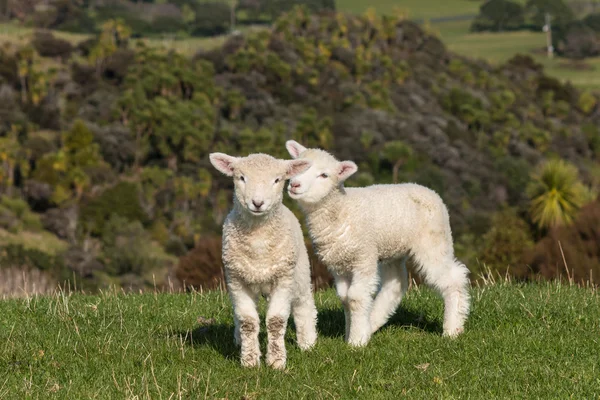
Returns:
point(521, 341)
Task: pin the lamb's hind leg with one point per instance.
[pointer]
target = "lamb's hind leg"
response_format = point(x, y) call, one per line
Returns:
point(305, 319)
point(360, 302)
point(450, 278)
point(394, 283)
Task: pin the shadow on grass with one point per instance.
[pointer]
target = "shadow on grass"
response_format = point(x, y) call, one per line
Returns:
point(331, 322)
point(216, 336)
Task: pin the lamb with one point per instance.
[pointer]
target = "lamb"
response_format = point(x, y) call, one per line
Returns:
point(364, 236)
point(264, 253)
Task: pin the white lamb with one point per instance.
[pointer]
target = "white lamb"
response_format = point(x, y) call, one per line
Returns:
point(364, 236)
point(264, 253)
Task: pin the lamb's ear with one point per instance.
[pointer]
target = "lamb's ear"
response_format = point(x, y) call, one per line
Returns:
point(294, 148)
point(296, 167)
point(346, 169)
point(223, 163)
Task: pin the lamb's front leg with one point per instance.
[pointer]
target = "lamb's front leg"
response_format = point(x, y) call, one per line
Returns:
point(278, 313)
point(247, 323)
point(360, 302)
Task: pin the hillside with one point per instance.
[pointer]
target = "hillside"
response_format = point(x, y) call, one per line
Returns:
point(106, 142)
point(521, 341)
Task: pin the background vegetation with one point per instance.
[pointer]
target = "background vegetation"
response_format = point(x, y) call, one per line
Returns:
point(104, 141)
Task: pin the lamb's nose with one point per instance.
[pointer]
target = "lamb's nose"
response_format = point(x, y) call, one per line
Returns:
point(294, 185)
point(258, 204)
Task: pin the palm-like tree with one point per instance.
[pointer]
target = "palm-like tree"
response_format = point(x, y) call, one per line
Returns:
point(556, 194)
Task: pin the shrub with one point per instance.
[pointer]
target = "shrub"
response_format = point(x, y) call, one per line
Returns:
point(17, 254)
point(121, 199)
point(578, 42)
point(202, 267)
point(580, 244)
point(587, 102)
point(15, 215)
point(593, 21)
point(592, 134)
point(47, 45)
point(127, 247)
point(61, 221)
point(505, 244)
point(211, 19)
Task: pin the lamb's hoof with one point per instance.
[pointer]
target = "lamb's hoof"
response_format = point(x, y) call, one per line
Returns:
point(277, 363)
point(306, 346)
point(453, 333)
point(360, 342)
point(250, 362)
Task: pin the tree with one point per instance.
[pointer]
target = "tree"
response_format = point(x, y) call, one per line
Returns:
point(578, 41)
point(168, 104)
point(556, 194)
point(396, 152)
point(535, 13)
point(115, 34)
point(499, 15)
point(66, 169)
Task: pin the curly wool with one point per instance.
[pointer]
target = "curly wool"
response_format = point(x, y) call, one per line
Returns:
point(266, 254)
point(364, 235)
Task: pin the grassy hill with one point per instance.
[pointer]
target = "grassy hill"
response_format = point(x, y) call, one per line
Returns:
point(521, 341)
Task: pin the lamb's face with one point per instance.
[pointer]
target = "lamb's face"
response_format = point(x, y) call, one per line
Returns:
point(258, 179)
point(325, 174)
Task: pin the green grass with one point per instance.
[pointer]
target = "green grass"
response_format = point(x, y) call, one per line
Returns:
point(415, 8)
point(521, 341)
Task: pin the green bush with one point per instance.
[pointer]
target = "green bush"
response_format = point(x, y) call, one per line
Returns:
point(212, 18)
point(506, 243)
point(49, 46)
point(121, 199)
point(593, 21)
point(17, 254)
point(127, 247)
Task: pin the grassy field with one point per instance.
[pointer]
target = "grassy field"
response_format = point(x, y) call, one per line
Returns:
point(521, 341)
point(415, 8)
point(499, 47)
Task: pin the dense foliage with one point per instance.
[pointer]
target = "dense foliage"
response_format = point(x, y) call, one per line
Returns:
point(105, 173)
point(153, 17)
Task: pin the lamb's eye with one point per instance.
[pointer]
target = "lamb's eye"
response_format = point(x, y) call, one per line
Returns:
point(323, 175)
point(242, 179)
point(277, 180)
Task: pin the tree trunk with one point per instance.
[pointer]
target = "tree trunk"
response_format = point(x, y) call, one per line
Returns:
point(396, 169)
point(232, 22)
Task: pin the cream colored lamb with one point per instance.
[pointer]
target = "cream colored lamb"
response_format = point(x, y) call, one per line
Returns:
point(264, 253)
point(364, 235)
